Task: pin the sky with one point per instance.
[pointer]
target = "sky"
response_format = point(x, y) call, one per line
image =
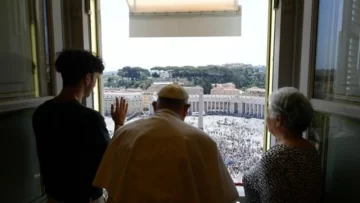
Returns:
point(120, 50)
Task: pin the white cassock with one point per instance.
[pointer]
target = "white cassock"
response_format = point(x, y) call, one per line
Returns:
point(162, 159)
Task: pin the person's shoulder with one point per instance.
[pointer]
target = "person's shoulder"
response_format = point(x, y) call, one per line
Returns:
point(277, 154)
point(45, 105)
point(92, 112)
point(194, 133)
point(274, 152)
point(43, 108)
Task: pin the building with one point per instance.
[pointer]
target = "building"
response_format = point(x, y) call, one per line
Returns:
point(134, 99)
point(241, 105)
point(224, 89)
point(147, 99)
point(156, 86)
point(194, 90)
point(255, 91)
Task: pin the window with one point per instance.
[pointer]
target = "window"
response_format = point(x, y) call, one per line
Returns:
point(25, 81)
point(24, 50)
point(337, 138)
point(337, 75)
point(335, 97)
point(225, 77)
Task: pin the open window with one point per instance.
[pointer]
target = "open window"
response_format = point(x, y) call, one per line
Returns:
point(154, 43)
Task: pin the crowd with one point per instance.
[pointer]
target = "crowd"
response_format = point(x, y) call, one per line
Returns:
point(239, 141)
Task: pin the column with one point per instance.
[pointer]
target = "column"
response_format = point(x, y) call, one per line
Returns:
point(232, 107)
point(240, 108)
point(201, 110)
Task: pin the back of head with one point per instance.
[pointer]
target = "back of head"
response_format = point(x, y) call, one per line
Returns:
point(173, 97)
point(75, 64)
point(295, 109)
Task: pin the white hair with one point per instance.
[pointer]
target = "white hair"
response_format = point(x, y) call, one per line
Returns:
point(293, 107)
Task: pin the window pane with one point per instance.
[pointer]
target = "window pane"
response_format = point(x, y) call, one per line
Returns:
point(20, 59)
point(337, 74)
point(340, 138)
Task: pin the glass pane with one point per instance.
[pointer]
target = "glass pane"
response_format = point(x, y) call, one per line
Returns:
point(339, 141)
point(21, 62)
point(337, 74)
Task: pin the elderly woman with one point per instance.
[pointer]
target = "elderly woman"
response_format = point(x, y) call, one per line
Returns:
point(290, 170)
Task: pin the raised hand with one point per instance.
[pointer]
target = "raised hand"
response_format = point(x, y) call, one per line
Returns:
point(119, 111)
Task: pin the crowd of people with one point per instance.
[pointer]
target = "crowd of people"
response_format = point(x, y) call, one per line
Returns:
point(239, 141)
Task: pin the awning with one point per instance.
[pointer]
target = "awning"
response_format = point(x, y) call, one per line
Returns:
point(171, 6)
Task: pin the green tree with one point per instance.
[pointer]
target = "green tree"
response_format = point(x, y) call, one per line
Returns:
point(155, 75)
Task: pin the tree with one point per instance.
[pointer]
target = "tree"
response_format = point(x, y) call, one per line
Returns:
point(242, 75)
point(155, 75)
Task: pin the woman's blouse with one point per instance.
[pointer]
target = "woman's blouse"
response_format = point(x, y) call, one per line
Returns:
point(285, 174)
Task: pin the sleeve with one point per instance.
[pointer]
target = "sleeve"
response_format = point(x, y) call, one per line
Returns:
point(104, 173)
point(272, 182)
point(100, 142)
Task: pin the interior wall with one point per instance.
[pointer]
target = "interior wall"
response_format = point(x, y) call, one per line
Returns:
point(19, 171)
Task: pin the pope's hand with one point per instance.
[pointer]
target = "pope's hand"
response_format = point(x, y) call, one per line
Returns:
point(119, 111)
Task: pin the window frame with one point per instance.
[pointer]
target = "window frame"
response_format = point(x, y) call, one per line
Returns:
point(307, 69)
point(96, 41)
point(307, 72)
point(286, 49)
point(43, 90)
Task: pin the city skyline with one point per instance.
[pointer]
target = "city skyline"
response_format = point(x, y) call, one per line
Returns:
point(119, 50)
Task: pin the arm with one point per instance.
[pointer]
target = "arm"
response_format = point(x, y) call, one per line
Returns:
point(100, 143)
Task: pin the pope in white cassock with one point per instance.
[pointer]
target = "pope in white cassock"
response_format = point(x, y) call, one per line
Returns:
point(162, 159)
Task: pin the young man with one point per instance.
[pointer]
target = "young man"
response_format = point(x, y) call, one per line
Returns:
point(71, 138)
point(164, 159)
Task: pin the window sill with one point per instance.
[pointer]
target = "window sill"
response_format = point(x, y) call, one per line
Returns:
point(22, 104)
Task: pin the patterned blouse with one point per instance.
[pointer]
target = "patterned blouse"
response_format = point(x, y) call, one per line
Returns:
point(285, 174)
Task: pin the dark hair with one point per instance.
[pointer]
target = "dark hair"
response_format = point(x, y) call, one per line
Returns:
point(75, 64)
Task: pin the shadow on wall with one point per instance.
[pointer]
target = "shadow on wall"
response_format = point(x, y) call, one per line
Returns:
point(19, 172)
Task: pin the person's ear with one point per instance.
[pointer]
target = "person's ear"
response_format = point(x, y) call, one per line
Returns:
point(278, 121)
point(154, 105)
point(88, 79)
point(186, 109)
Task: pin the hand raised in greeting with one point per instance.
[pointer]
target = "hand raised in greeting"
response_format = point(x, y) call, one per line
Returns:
point(119, 111)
